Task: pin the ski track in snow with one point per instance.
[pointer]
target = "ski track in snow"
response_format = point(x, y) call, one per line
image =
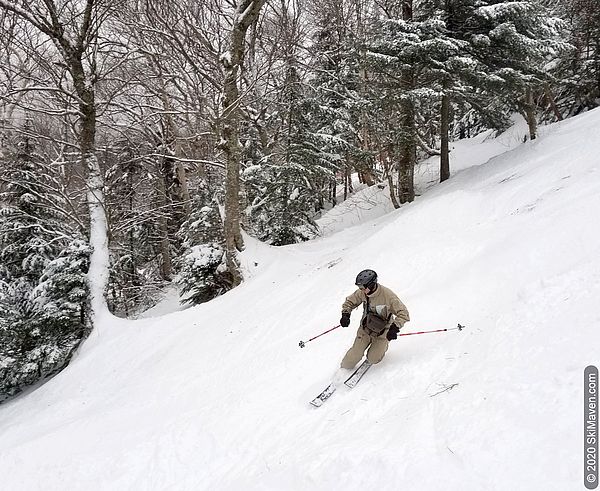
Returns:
point(216, 397)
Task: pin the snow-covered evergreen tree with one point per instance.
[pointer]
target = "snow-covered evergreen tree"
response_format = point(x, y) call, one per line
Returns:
point(335, 91)
point(43, 290)
point(576, 83)
point(462, 63)
point(287, 187)
point(413, 63)
point(61, 294)
point(202, 272)
point(515, 41)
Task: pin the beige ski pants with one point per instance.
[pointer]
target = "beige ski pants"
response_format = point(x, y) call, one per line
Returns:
point(377, 348)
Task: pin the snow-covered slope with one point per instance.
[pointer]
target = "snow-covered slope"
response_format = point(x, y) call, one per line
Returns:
point(374, 202)
point(216, 397)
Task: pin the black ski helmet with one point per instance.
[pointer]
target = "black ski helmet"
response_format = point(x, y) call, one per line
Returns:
point(367, 278)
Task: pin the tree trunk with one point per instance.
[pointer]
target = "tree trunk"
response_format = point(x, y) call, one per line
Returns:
point(247, 12)
point(408, 154)
point(347, 178)
point(166, 265)
point(365, 169)
point(392, 193)
point(350, 186)
point(444, 138)
point(231, 223)
point(172, 140)
point(530, 114)
point(345, 185)
point(552, 102)
point(407, 10)
point(99, 259)
point(333, 193)
point(388, 173)
point(408, 131)
point(183, 184)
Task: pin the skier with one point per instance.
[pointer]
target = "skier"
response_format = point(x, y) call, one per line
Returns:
point(383, 317)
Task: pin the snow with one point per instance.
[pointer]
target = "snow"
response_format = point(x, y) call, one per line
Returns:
point(204, 254)
point(225, 59)
point(370, 203)
point(168, 303)
point(367, 204)
point(216, 396)
point(99, 259)
point(500, 10)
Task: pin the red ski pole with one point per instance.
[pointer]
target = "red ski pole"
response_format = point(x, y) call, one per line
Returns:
point(302, 344)
point(460, 327)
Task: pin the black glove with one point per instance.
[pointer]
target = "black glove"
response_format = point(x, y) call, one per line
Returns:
point(393, 332)
point(345, 320)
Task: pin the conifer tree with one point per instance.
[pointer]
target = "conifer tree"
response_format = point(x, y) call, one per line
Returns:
point(413, 60)
point(202, 268)
point(470, 55)
point(514, 41)
point(575, 86)
point(286, 188)
point(43, 289)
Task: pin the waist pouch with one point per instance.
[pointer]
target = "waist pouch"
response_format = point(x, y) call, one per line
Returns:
point(374, 323)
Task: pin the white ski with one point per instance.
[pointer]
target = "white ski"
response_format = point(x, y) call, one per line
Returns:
point(323, 396)
point(350, 382)
point(358, 374)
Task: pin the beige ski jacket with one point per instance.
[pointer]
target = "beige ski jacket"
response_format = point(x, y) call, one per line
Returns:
point(383, 302)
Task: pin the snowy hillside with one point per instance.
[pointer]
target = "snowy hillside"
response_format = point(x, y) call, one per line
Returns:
point(375, 202)
point(216, 397)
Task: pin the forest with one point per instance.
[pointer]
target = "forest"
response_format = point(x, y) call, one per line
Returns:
point(140, 140)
